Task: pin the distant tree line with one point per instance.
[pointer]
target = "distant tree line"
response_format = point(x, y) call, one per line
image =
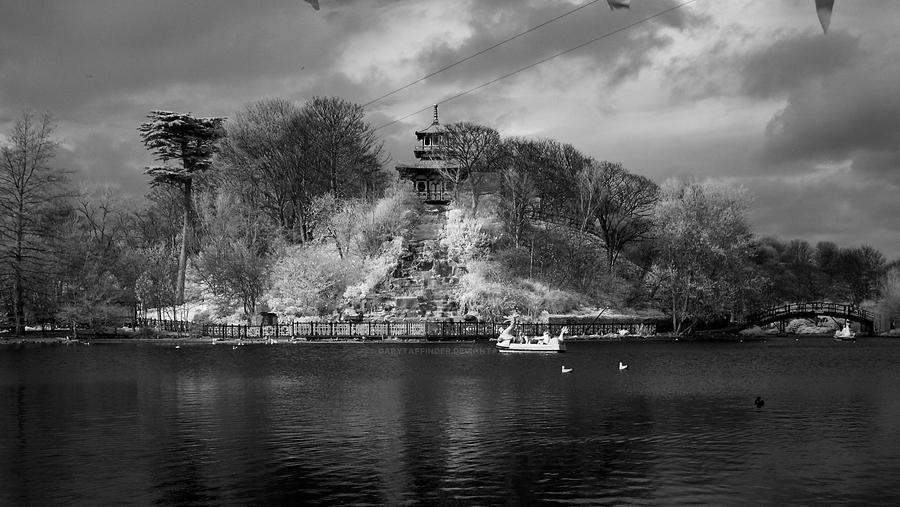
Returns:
point(797, 271)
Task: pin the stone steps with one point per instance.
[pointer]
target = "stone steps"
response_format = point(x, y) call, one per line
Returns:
point(419, 287)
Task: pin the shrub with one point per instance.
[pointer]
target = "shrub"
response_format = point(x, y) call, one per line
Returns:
point(542, 298)
point(310, 280)
point(889, 302)
point(392, 216)
point(375, 270)
point(464, 237)
point(796, 324)
point(485, 292)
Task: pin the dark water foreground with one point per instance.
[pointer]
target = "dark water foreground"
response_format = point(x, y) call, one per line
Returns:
point(452, 424)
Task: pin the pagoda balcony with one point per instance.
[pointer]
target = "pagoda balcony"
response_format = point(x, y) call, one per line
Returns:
point(435, 196)
point(420, 150)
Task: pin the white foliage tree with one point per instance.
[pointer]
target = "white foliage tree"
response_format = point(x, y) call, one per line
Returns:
point(703, 240)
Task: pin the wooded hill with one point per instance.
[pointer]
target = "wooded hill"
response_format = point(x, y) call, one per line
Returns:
point(293, 209)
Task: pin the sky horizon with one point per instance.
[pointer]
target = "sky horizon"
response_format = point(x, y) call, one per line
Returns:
point(746, 93)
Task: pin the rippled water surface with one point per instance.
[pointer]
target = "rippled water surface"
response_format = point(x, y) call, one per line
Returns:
point(455, 424)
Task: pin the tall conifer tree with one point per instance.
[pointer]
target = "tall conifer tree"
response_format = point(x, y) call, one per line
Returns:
point(192, 140)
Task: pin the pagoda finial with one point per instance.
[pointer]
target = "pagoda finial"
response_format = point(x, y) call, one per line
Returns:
point(435, 122)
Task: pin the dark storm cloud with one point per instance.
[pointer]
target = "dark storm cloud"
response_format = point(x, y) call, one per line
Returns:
point(883, 165)
point(842, 109)
point(99, 157)
point(835, 208)
point(791, 62)
point(101, 65)
point(73, 57)
point(825, 165)
point(842, 101)
point(852, 113)
point(733, 66)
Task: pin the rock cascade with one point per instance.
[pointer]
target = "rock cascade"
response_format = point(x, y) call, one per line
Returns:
point(422, 284)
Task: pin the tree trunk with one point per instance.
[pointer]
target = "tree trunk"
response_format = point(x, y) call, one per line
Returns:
point(610, 259)
point(333, 173)
point(19, 290)
point(18, 299)
point(185, 230)
point(674, 308)
point(303, 227)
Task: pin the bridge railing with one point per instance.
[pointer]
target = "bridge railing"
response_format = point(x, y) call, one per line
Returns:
point(819, 307)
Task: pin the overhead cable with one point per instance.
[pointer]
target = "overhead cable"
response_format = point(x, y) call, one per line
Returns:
point(483, 51)
point(535, 64)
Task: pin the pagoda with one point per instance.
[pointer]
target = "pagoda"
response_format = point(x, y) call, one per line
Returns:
point(425, 174)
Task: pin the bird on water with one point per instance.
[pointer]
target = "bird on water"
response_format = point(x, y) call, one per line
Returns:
point(759, 402)
point(566, 370)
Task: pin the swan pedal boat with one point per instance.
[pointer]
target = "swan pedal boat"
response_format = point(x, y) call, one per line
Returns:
point(553, 345)
point(844, 338)
point(845, 335)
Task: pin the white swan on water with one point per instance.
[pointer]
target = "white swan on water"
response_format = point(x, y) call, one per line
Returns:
point(622, 366)
point(566, 370)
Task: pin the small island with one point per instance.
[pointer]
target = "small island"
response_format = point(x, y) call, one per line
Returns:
point(269, 225)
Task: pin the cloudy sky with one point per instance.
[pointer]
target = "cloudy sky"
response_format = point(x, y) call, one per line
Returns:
point(747, 92)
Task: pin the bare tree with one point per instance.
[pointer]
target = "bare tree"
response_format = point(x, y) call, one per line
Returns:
point(95, 275)
point(191, 140)
point(30, 191)
point(343, 147)
point(476, 151)
point(864, 268)
point(237, 251)
point(154, 246)
point(889, 300)
point(522, 163)
point(619, 203)
point(263, 160)
point(559, 180)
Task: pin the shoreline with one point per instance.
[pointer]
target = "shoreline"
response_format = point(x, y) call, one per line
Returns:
point(189, 340)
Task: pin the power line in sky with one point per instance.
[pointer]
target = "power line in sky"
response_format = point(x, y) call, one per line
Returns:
point(483, 51)
point(535, 64)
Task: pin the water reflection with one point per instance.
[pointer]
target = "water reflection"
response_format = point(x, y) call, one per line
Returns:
point(376, 424)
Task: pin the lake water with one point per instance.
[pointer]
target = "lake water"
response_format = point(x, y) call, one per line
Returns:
point(452, 424)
